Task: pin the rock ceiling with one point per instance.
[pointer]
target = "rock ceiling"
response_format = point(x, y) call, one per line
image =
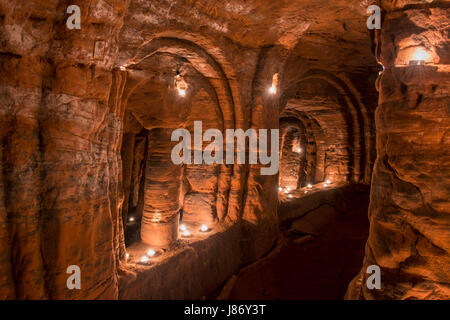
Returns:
point(315, 29)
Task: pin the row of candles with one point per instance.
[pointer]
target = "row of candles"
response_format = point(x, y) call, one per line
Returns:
point(151, 253)
point(204, 228)
point(287, 190)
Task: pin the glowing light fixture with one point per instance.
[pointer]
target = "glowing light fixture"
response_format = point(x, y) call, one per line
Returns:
point(272, 90)
point(419, 57)
point(151, 253)
point(275, 80)
point(180, 85)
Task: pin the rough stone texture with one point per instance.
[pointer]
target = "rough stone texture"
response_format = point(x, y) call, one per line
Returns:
point(201, 267)
point(409, 211)
point(86, 117)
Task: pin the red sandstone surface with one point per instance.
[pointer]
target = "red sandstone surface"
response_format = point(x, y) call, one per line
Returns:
point(86, 117)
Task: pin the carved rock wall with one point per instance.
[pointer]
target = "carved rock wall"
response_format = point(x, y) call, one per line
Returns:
point(409, 210)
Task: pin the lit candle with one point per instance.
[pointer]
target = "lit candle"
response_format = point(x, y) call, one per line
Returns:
point(144, 259)
point(204, 228)
point(420, 55)
point(290, 196)
point(280, 189)
point(325, 185)
point(183, 227)
point(306, 191)
point(328, 181)
point(309, 186)
point(186, 233)
point(127, 256)
point(131, 219)
point(151, 253)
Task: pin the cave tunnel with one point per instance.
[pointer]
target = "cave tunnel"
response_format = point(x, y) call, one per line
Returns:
point(138, 140)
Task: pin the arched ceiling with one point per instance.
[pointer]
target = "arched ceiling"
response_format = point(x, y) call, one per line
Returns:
point(313, 29)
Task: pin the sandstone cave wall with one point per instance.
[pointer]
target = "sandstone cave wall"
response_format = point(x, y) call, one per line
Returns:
point(62, 117)
point(409, 210)
point(61, 128)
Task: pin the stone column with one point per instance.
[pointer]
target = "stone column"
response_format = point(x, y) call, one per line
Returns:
point(410, 198)
point(160, 220)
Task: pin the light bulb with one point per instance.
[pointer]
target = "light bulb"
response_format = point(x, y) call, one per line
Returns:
point(275, 81)
point(180, 85)
point(144, 259)
point(272, 90)
point(151, 253)
point(204, 228)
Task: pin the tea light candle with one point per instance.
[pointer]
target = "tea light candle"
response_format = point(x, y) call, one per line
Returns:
point(204, 228)
point(151, 253)
point(186, 233)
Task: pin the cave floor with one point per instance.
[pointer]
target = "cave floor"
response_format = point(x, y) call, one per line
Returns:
point(318, 270)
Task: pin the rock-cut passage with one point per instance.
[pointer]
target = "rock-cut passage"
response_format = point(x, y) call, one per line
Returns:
point(316, 259)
